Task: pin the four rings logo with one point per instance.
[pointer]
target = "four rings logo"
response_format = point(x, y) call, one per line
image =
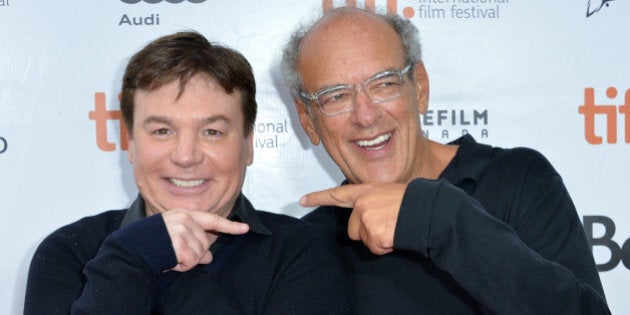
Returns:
point(158, 1)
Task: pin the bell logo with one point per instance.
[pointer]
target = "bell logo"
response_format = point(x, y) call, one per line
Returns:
point(101, 115)
point(589, 110)
point(618, 253)
point(392, 7)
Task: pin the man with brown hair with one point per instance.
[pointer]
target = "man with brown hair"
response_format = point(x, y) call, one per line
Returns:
point(191, 243)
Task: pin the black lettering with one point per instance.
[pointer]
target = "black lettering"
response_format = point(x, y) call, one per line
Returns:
point(479, 116)
point(427, 119)
point(462, 118)
point(124, 20)
point(605, 240)
point(4, 145)
point(625, 253)
point(442, 116)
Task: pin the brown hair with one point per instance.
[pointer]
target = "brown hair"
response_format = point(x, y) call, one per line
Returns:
point(180, 56)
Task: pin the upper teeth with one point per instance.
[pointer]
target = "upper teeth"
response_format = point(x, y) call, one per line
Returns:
point(375, 141)
point(186, 183)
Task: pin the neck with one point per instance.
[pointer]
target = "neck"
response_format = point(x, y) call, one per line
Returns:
point(434, 158)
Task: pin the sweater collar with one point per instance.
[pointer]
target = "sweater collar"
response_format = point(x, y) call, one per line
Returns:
point(469, 165)
point(243, 211)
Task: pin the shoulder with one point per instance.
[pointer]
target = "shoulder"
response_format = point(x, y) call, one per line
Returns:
point(283, 224)
point(521, 160)
point(509, 161)
point(330, 218)
point(295, 232)
point(84, 235)
point(104, 222)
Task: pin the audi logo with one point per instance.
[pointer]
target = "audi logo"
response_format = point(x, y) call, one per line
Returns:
point(158, 1)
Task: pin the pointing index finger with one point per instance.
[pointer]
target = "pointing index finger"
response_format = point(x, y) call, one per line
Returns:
point(342, 196)
point(217, 223)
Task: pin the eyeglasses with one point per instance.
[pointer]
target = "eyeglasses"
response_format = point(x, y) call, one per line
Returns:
point(380, 88)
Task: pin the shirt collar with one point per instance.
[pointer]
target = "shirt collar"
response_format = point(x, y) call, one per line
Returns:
point(469, 164)
point(243, 211)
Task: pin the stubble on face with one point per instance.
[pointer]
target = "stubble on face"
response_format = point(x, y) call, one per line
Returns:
point(374, 142)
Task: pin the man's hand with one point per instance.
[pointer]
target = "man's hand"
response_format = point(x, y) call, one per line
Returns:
point(374, 214)
point(192, 233)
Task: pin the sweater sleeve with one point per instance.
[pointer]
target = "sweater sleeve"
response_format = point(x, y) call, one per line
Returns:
point(492, 262)
point(121, 278)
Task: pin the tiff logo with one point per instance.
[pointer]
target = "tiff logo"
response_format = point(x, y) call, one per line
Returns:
point(101, 115)
point(590, 109)
point(392, 7)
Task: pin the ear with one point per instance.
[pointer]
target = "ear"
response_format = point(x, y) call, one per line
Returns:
point(249, 151)
point(307, 122)
point(421, 80)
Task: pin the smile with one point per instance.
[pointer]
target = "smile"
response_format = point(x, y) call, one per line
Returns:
point(186, 183)
point(376, 143)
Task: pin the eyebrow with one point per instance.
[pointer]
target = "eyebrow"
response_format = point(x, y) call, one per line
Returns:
point(168, 121)
point(338, 85)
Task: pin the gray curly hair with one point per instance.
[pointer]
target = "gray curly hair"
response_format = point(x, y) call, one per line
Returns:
point(409, 35)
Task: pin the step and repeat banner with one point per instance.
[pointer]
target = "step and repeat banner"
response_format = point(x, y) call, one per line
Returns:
point(551, 75)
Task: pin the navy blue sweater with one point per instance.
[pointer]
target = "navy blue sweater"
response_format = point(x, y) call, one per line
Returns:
point(95, 266)
point(497, 233)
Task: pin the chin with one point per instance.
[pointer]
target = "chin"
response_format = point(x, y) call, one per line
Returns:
point(377, 179)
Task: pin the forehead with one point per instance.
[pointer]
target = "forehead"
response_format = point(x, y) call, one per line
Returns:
point(199, 97)
point(348, 48)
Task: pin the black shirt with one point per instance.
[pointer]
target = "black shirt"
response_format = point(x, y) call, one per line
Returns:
point(497, 233)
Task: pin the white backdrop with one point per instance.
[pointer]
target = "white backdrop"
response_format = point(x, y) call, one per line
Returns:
point(511, 73)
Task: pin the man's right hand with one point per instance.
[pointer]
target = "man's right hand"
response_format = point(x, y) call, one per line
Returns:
point(375, 209)
point(192, 233)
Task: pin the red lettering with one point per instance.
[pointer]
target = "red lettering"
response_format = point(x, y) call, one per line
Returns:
point(590, 109)
point(101, 115)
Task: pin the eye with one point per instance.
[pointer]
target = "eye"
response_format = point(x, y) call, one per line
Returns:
point(212, 132)
point(333, 97)
point(391, 80)
point(161, 132)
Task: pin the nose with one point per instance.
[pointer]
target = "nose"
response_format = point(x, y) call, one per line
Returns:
point(365, 112)
point(186, 152)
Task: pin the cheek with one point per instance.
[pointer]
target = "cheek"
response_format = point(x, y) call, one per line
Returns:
point(330, 130)
point(145, 155)
point(228, 159)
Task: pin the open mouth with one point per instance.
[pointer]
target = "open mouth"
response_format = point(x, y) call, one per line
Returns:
point(186, 183)
point(376, 143)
